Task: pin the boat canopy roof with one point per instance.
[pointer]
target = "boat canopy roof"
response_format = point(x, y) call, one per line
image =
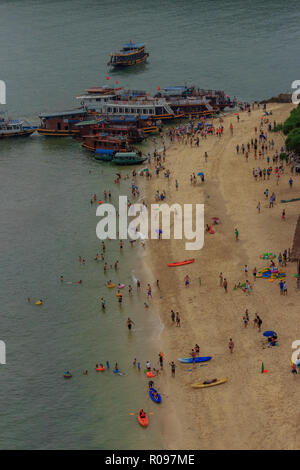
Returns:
point(132, 45)
point(175, 88)
point(86, 123)
point(125, 154)
point(62, 113)
point(105, 151)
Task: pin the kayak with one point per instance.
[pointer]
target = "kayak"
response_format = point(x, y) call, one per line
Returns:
point(151, 374)
point(203, 385)
point(181, 263)
point(120, 286)
point(143, 421)
point(189, 360)
point(151, 393)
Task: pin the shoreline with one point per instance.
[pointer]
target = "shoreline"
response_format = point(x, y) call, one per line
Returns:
point(208, 317)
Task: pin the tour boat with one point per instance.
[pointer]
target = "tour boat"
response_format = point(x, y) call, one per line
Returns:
point(131, 54)
point(61, 124)
point(15, 128)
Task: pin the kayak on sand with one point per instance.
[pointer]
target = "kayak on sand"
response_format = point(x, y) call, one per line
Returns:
point(189, 360)
point(152, 392)
point(209, 383)
point(181, 263)
point(144, 421)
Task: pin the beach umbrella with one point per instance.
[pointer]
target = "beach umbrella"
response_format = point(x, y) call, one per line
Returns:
point(200, 173)
point(269, 333)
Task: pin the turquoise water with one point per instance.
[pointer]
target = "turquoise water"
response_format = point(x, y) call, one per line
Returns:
point(50, 52)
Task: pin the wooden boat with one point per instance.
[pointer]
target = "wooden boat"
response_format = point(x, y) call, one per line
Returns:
point(193, 101)
point(130, 54)
point(14, 128)
point(61, 124)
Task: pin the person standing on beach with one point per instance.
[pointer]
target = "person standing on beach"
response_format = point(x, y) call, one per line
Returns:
point(187, 280)
point(177, 319)
point(246, 318)
point(173, 367)
point(236, 232)
point(225, 285)
point(231, 345)
point(221, 279)
point(258, 207)
point(173, 316)
point(161, 360)
point(281, 284)
point(259, 323)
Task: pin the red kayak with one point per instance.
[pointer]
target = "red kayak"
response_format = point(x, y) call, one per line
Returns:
point(144, 421)
point(181, 263)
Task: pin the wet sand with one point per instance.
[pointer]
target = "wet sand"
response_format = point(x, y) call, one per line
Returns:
point(252, 410)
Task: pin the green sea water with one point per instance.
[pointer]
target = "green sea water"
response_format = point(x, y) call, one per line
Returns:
point(50, 52)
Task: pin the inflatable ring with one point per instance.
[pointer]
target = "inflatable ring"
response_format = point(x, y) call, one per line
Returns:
point(110, 285)
point(100, 369)
point(38, 302)
point(266, 274)
point(151, 374)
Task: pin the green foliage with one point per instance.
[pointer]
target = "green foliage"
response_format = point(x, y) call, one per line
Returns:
point(278, 128)
point(283, 156)
point(293, 141)
point(292, 122)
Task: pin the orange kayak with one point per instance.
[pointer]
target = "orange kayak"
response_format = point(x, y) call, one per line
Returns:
point(143, 421)
point(182, 263)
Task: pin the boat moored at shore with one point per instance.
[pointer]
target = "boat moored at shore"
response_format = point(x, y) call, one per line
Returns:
point(61, 124)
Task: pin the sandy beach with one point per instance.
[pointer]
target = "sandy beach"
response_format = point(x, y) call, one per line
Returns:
point(252, 410)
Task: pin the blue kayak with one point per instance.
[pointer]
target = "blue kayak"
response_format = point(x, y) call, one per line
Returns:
point(151, 393)
point(189, 360)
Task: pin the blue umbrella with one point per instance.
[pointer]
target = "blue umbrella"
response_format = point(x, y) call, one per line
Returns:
point(269, 333)
point(200, 174)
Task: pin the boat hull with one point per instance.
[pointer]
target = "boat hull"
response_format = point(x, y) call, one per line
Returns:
point(23, 133)
point(56, 133)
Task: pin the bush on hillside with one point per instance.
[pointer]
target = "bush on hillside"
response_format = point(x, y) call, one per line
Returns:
point(292, 122)
point(292, 142)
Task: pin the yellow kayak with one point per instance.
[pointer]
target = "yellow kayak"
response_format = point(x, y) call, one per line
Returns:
point(110, 285)
point(203, 385)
